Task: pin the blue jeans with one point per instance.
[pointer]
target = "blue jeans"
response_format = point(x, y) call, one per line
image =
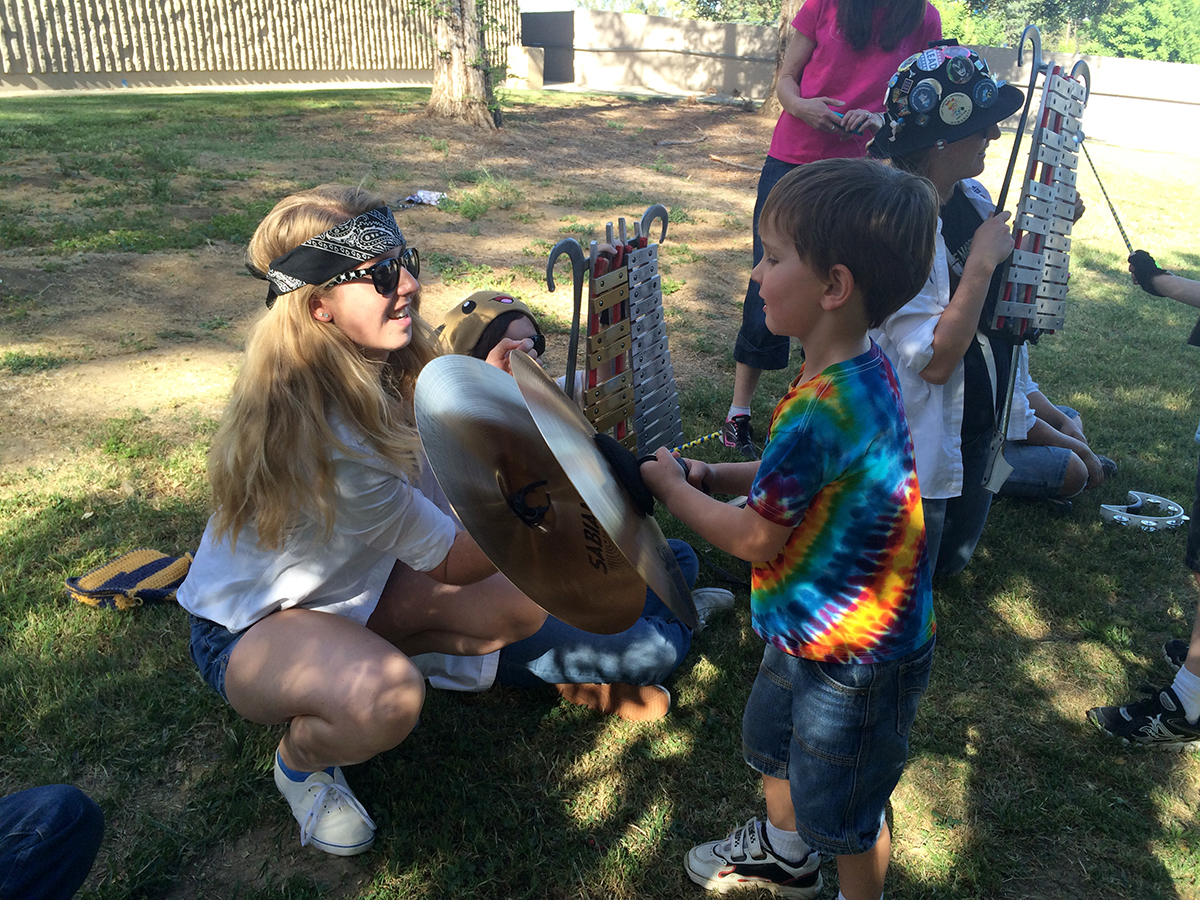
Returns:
point(965, 514)
point(838, 732)
point(49, 837)
point(646, 653)
point(756, 346)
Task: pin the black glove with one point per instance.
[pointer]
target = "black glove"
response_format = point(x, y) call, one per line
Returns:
point(625, 467)
point(1145, 269)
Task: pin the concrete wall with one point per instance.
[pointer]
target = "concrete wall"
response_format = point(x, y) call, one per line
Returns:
point(673, 54)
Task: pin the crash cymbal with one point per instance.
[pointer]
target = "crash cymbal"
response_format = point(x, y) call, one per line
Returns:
point(516, 501)
point(570, 436)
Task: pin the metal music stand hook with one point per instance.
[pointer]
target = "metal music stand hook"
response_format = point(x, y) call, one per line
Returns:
point(1081, 72)
point(571, 248)
point(1035, 38)
point(657, 211)
point(1039, 66)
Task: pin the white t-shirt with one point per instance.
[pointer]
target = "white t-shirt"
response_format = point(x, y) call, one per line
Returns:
point(1023, 417)
point(380, 518)
point(934, 411)
point(447, 671)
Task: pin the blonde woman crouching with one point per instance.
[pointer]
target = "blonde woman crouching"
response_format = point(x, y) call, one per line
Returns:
point(324, 567)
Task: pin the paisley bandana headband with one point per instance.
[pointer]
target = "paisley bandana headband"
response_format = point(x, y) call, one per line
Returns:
point(332, 252)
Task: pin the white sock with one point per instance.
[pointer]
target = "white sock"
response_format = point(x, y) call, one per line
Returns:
point(787, 844)
point(1187, 689)
point(737, 411)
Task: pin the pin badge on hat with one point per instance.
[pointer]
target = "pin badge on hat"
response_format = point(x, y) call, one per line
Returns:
point(955, 109)
point(929, 60)
point(959, 70)
point(985, 93)
point(925, 95)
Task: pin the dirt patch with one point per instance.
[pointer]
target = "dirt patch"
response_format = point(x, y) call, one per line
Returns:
point(162, 332)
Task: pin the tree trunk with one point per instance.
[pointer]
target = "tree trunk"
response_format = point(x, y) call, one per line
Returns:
point(461, 87)
point(771, 107)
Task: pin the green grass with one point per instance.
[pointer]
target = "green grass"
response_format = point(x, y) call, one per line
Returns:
point(131, 165)
point(488, 191)
point(1009, 793)
point(19, 363)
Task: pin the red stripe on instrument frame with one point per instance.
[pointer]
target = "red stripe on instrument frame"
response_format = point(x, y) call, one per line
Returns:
point(1028, 290)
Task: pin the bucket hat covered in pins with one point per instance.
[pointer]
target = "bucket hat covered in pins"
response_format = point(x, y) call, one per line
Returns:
point(941, 95)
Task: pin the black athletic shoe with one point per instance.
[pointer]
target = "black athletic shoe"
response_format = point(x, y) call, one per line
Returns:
point(1175, 651)
point(744, 859)
point(738, 435)
point(1156, 721)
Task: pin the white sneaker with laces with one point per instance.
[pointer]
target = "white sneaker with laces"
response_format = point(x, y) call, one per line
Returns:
point(330, 816)
point(710, 600)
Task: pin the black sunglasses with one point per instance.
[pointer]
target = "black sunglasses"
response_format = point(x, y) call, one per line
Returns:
point(539, 344)
point(384, 275)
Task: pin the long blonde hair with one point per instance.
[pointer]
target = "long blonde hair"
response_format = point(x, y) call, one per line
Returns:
point(270, 459)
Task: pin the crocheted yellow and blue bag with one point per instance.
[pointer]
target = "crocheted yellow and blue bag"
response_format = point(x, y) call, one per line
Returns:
point(140, 576)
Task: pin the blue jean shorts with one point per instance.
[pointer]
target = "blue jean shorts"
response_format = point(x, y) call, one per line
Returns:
point(838, 732)
point(211, 645)
point(1039, 470)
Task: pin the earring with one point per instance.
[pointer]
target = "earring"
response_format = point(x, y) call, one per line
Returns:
point(325, 316)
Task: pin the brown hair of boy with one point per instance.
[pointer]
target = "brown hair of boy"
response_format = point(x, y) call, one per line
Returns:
point(878, 222)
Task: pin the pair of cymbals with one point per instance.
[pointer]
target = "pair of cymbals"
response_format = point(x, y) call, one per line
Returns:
point(517, 462)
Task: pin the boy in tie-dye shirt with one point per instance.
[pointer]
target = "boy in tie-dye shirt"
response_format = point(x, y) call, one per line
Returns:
point(834, 529)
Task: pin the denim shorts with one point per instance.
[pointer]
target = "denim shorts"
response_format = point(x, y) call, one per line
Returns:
point(1039, 470)
point(211, 645)
point(838, 732)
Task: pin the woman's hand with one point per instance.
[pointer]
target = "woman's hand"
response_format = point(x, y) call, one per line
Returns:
point(815, 113)
point(992, 243)
point(861, 121)
point(499, 354)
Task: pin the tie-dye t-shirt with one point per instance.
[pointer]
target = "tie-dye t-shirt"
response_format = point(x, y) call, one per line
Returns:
point(852, 582)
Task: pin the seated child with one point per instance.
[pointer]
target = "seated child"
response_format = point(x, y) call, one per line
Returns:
point(622, 673)
point(835, 531)
point(1046, 447)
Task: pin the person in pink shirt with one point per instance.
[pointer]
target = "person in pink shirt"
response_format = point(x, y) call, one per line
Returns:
point(832, 86)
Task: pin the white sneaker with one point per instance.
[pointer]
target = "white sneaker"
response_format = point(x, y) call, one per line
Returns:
point(745, 859)
point(710, 600)
point(329, 814)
